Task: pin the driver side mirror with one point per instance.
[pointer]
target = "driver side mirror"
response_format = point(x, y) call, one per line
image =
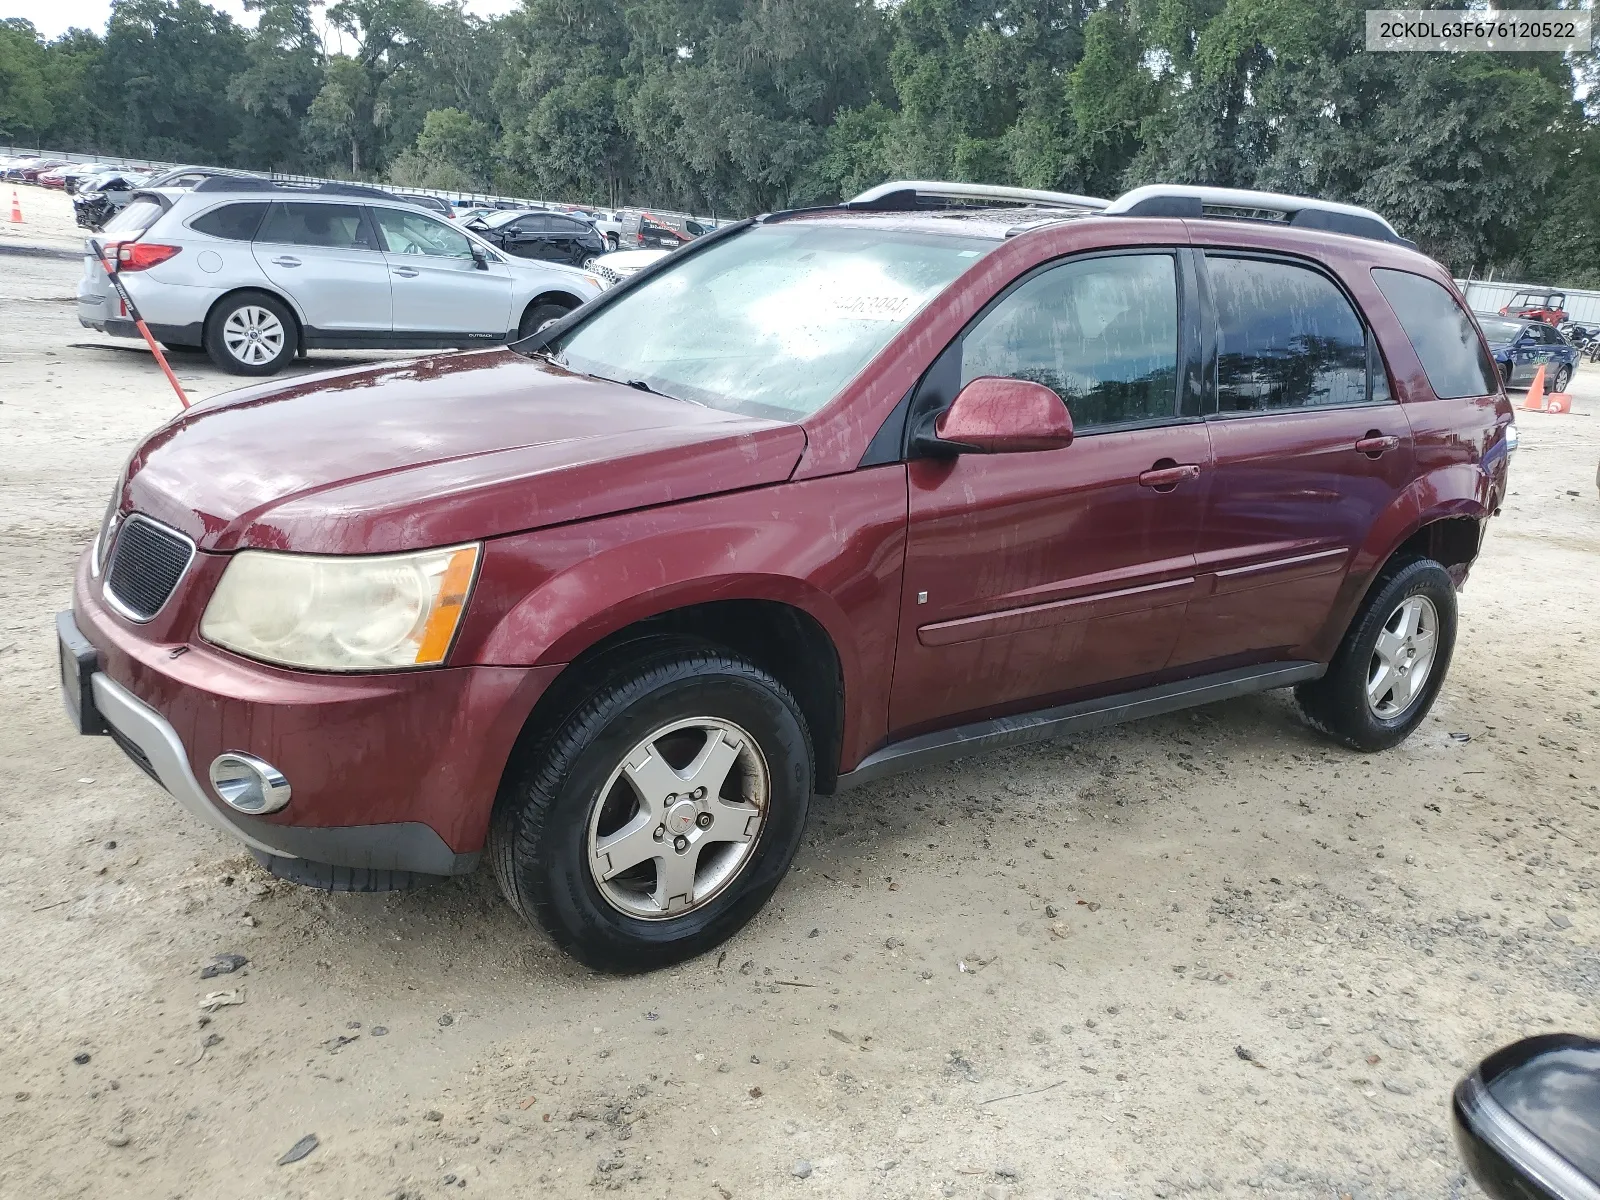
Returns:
point(996, 415)
point(1527, 1121)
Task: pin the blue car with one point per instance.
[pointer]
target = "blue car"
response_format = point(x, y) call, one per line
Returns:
point(1521, 347)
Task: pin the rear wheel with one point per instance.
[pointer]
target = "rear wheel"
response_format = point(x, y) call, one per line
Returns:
point(251, 334)
point(659, 815)
point(1563, 377)
point(1392, 662)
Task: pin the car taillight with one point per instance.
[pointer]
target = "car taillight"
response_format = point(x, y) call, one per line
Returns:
point(140, 256)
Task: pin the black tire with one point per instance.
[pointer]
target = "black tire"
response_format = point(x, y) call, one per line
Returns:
point(218, 333)
point(1338, 704)
point(539, 835)
point(538, 315)
point(612, 241)
point(1505, 375)
point(1563, 377)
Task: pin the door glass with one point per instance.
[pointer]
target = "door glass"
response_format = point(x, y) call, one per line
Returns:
point(413, 233)
point(1102, 333)
point(337, 226)
point(1286, 338)
point(237, 222)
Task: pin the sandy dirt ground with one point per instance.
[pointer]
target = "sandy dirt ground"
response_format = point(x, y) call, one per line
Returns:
point(1208, 953)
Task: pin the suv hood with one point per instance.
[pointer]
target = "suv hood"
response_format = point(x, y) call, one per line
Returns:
point(451, 448)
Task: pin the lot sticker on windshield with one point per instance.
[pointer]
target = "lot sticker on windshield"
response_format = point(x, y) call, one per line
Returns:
point(873, 308)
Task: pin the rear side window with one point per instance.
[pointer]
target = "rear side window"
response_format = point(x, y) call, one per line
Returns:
point(1101, 333)
point(336, 226)
point(1286, 338)
point(141, 213)
point(236, 222)
point(1441, 333)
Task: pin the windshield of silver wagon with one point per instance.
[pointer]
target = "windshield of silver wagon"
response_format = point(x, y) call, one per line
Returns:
point(772, 321)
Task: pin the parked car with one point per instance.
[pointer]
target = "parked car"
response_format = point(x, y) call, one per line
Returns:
point(188, 177)
point(255, 272)
point(1521, 347)
point(29, 172)
point(825, 496)
point(1527, 1119)
point(73, 178)
point(1538, 305)
point(434, 204)
point(552, 237)
point(613, 268)
point(641, 230)
point(93, 206)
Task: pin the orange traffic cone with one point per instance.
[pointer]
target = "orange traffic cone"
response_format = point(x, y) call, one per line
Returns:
point(1534, 400)
point(16, 208)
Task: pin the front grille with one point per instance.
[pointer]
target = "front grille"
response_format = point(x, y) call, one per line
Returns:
point(612, 277)
point(147, 560)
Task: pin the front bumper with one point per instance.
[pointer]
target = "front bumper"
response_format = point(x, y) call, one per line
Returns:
point(390, 773)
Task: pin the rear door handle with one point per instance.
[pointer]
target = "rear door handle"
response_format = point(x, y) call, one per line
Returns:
point(1164, 479)
point(407, 272)
point(1375, 444)
point(285, 261)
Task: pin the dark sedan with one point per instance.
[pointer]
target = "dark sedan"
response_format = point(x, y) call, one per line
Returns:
point(553, 237)
point(1521, 347)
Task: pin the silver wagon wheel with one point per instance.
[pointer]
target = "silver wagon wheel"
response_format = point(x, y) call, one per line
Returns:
point(253, 334)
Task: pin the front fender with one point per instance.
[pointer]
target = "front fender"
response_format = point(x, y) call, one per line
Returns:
point(832, 548)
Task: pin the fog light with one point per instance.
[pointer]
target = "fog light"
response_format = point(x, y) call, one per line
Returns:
point(246, 783)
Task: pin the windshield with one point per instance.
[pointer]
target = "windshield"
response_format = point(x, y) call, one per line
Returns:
point(1497, 330)
point(772, 321)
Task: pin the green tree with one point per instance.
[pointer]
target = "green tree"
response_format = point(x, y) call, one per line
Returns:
point(276, 89)
point(452, 152)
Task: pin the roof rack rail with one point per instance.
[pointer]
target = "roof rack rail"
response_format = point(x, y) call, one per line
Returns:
point(239, 183)
point(910, 195)
point(1239, 204)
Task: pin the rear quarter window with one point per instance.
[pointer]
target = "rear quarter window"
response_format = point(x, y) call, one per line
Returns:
point(1442, 334)
point(236, 222)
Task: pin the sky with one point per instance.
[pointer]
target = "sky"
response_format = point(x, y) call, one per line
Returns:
point(54, 17)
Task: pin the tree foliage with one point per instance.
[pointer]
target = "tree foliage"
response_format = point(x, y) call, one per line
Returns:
point(735, 106)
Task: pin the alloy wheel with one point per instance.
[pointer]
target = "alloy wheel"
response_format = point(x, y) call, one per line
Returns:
point(1402, 659)
point(253, 335)
point(678, 818)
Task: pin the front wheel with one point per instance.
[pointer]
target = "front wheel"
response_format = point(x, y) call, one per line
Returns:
point(1392, 662)
point(659, 815)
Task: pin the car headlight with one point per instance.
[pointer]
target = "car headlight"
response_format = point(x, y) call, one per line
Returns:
point(342, 614)
point(1513, 438)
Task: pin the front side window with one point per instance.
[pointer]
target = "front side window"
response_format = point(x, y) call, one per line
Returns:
point(333, 226)
point(1442, 334)
point(772, 321)
point(413, 233)
point(1286, 338)
point(1102, 333)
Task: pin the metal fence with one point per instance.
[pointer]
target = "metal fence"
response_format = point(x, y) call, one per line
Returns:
point(459, 199)
point(1582, 305)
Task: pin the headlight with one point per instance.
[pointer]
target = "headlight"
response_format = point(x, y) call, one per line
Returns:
point(1513, 438)
point(342, 614)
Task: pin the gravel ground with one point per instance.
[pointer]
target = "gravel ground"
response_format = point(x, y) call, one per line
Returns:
point(1205, 954)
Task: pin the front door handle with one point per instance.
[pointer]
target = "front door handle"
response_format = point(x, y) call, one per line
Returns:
point(1375, 444)
point(407, 272)
point(285, 261)
point(1164, 479)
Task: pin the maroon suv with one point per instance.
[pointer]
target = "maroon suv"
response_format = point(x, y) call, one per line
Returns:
point(823, 495)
